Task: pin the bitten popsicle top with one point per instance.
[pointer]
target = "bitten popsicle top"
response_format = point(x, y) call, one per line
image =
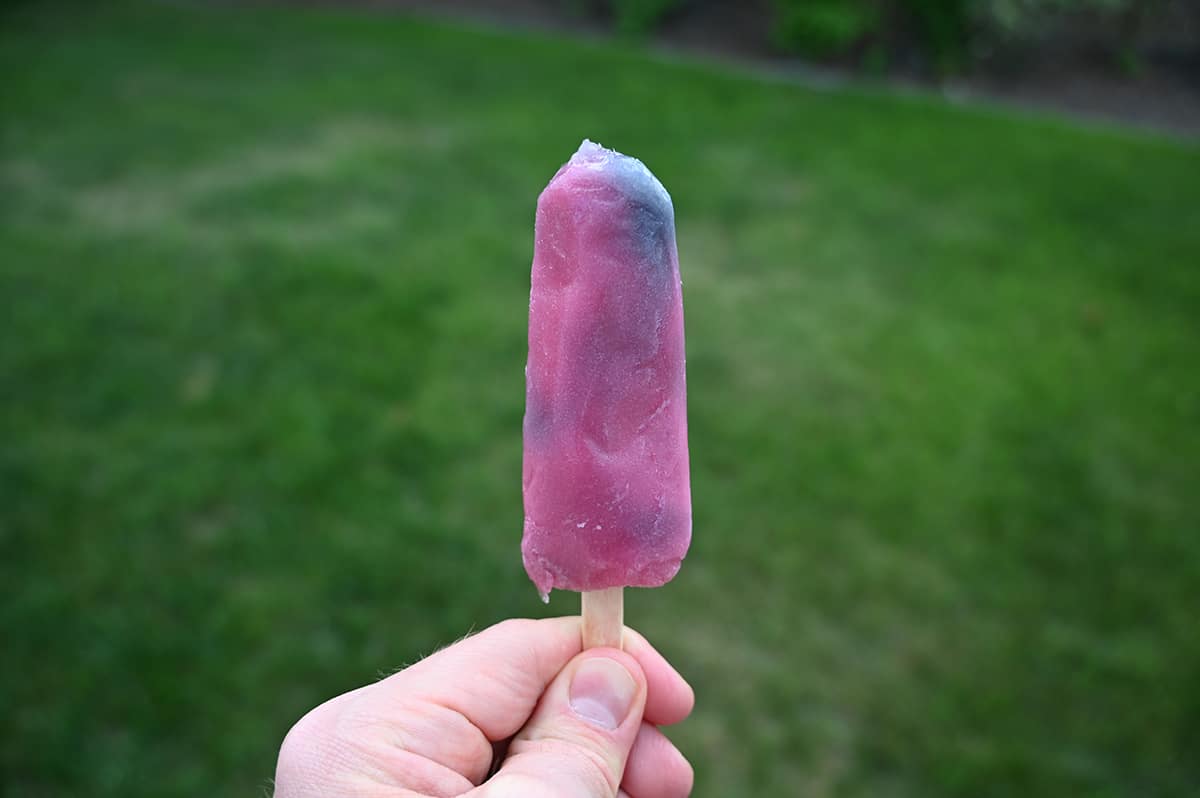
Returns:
point(606, 484)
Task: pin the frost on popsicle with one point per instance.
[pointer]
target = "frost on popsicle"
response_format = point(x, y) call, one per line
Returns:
point(607, 495)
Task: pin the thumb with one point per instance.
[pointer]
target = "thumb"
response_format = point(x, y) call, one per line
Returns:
point(578, 739)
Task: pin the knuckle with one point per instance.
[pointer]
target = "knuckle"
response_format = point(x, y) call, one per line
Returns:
point(305, 754)
point(511, 627)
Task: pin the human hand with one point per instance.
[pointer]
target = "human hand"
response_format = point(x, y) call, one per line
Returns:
point(521, 700)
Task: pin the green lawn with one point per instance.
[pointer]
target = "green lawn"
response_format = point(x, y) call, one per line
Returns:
point(264, 278)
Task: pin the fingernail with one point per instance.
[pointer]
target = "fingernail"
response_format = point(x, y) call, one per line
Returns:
point(602, 692)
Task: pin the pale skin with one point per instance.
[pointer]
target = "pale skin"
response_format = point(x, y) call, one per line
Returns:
point(519, 710)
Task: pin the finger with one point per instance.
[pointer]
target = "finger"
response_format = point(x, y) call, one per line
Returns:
point(578, 740)
point(328, 748)
point(494, 675)
point(451, 707)
point(494, 678)
point(655, 768)
point(670, 698)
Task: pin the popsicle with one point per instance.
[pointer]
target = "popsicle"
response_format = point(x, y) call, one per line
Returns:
point(606, 483)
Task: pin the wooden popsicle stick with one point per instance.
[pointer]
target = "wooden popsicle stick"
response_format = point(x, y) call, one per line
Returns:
point(603, 618)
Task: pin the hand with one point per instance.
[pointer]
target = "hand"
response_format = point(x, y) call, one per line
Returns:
point(520, 702)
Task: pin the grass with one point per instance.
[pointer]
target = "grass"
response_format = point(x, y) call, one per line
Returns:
point(264, 283)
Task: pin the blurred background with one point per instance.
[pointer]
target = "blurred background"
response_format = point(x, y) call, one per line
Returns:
point(263, 295)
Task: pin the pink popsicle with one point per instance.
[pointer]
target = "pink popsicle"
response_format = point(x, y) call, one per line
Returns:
point(607, 493)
